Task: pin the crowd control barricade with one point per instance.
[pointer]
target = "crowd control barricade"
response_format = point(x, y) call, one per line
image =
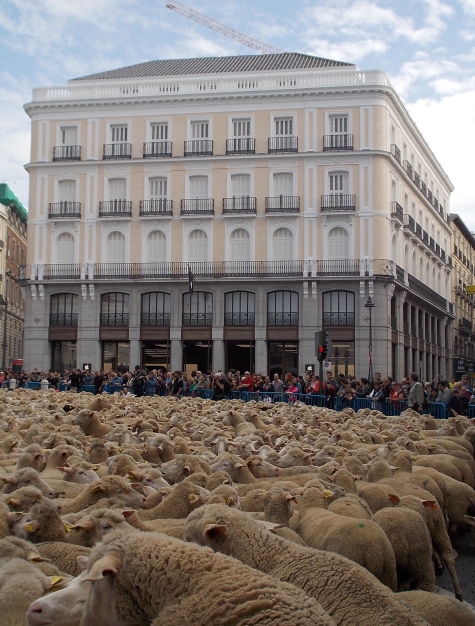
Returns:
point(113, 388)
point(438, 410)
point(33, 385)
point(471, 411)
point(313, 399)
point(89, 388)
point(271, 396)
point(206, 394)
point(393, 409)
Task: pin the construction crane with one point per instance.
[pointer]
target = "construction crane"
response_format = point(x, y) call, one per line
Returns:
point(178, 7)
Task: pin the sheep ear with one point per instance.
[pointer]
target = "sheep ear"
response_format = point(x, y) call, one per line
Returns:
point(249, 462)
point(11, 480)
point(291, 496)
point(13, 502)
point(430, 504)
point(32, 557)
point(82, 561)
point(84, 524)
point(98, 489)
point(238, 465)
point(193, 498)
point(215, 530)
point(270, 525)
point(14, 517)
point(393, 498)
point(109, 565)
point(32, 526)
point(128, 513)
point(254, 452)
point(147, 490)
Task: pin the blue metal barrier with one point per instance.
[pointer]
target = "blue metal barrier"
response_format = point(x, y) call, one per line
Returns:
point(471, 411)
point(88, 388)
point(206, 394)
point(113, 388)
point(364, 403)
point(314, 399)
point(33, 385)
point(438, 410)
point(271, 396)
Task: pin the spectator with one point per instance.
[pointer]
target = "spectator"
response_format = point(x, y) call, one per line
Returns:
point(138, 383)
point(415, 397)
point(465, 382)
point(456, 405)
point(365, 388)
point(247, 382)
point(330, 380)
point(377, 393)
point(444, 393)
point(265, 385)
point(277, 384)
point(177, 385)
point(386, 387)
point(77, 380)
point(150, 386)
point(220, 386)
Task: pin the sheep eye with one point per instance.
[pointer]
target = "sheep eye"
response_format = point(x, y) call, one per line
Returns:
point(106, 526)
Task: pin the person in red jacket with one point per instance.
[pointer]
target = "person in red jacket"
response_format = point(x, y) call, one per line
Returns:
point(247, 383)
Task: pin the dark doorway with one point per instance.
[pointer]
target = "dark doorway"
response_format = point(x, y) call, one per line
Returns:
point(240, 356)
point(197, 355)
point(156, 355)
point(283, 357)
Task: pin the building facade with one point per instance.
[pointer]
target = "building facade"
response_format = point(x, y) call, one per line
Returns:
point(13, 229)
point(292, 187)
point(463, 276)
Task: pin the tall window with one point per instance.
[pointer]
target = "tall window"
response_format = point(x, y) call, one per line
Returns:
point(198, 187)
point(338, 124)
point(158, 188)
point(339, 308)
point(338, 244)
point(197, 309)
point(240, 185)
point(239, 309)
point(156, 309)
point(64, 310)
point(283, 184)
point(69, 135)
point(338, 183)
point(159, 131)
point(284, 126)
point(65, 248)
point(67, 191)
point(115, 309)
point(282, 308)
point(198, 246)
point(156, 247)
point(117, 189)
point(241, 128)
point(282, 245)
point(200, 129)
point(115, 247)
point(240, 245)
point(119, 133)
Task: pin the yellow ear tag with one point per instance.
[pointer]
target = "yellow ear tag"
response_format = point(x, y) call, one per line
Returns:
point(68, 527)
point(29, 528)
point(120, 449)
point(95, 467)
point(327, 493)
point(415, 457)
point(56, 579)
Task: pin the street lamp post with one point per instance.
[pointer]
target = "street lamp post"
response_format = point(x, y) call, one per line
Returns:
point(4, 303)
point(370, 305)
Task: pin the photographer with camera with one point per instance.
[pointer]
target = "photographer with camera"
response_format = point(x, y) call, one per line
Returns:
point(220, 386)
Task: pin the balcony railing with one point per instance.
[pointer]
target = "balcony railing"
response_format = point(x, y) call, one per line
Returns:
point(157, 206)
point(67, 153)
point(339, 202)
point(114, 319)
point(419, 231)
point(284, 318)
point(338, 319)
point(424, 188)
point(115, 208)
point(465, 324)
point(63, 319)
point(283, 204)
point(409, 223)
point(417, 180)
point(197, 319)
point(242, 204)
point(241, 145)
point(397, 211)
point(283, 144)
point(239, 319)
point(197, 206)
point(430, 196)
point(70, 271)
point(396, 152)
point(426, 292)
point(117, 151)
point(337, 142)
point(153, 149)
point(155, 319)
point(199, 147)
point(408, 167)
point(64, 210)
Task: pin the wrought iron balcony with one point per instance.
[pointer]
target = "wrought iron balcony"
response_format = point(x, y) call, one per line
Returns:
point(423, 188)
point(283, 144)
point(417, 180)
point(435, 202)
point(197, 206)
point(239, 319)
point(397, 211)
point(63, 319)
point(465, 324)
point(114, 319)
point(117, 151)
point(283, 318)
point(64, 210)
point(396, 152)
point(409, 223)
point(426, 292)
point(241, 145)
point(283, 204)
point(156, 207)
point(337, 142)
point(419, 231)
point(67, 153)
point(197, 319)
point(199, 147)
point(338, 319)
point(408, 167)
point(155, 319)
point(430, 196)
point(339, 202)
point(153, 149)
point(115, 208)
point(240, 204)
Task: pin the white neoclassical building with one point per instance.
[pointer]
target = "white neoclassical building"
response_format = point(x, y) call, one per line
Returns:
point(293, 187)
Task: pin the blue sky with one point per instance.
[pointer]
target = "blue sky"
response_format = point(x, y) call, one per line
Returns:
point(427, 47)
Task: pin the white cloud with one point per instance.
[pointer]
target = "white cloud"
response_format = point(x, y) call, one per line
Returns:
point(423, 69)
point(350, 51)
point(468, 6)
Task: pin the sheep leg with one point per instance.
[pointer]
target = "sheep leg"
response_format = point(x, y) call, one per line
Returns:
point(439, 567)
point(448, 559)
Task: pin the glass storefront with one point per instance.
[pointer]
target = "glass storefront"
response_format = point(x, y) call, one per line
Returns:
point(197, 355)
point(64, 356)
point(115, 356)
point(156, 355)
point(240, 356)
point(342, 358)
point(283, 357)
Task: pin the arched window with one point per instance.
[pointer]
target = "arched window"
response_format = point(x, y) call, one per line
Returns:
point(115, 309)
point(239, 309)
point(198, 246)
point(282, 245)
point(240, 245)
point(156, 247)
point(198, 309)
point(339, 308)
point(282, 308)
point(115, 247)
point(64, 309)
point(65, 248)
point(338, 244)
point(156, 309)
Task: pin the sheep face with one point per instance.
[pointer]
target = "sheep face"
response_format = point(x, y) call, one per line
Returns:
point(61, 608)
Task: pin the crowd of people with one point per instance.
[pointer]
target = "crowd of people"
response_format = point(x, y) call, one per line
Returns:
point(456, 396)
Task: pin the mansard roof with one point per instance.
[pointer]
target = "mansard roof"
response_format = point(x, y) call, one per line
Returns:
point(218, 65)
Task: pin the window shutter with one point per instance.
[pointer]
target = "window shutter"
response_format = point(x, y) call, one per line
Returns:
point(117, 189)
point(67, 191)
point(199, 130)
point(283, 126)
point(198, 187)
point(241, 185)
point(65, 248)
point(338, 244)
point(241, 128)
point(156, 247)
point(69, 135)
point(158, 188)
point(198, 246)
point(116, 248)
point(159, 131)
point(119, 133)
point(240, 245)
point(339, 124)
point(283, 184)
point(283, 245)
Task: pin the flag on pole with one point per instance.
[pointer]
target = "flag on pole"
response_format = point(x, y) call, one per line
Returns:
point(191, 280)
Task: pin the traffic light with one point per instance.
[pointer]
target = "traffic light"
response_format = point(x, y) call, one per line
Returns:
point(322, 352)
point(322, 345)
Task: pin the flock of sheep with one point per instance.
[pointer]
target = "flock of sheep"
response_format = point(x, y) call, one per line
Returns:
point(131, 511)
